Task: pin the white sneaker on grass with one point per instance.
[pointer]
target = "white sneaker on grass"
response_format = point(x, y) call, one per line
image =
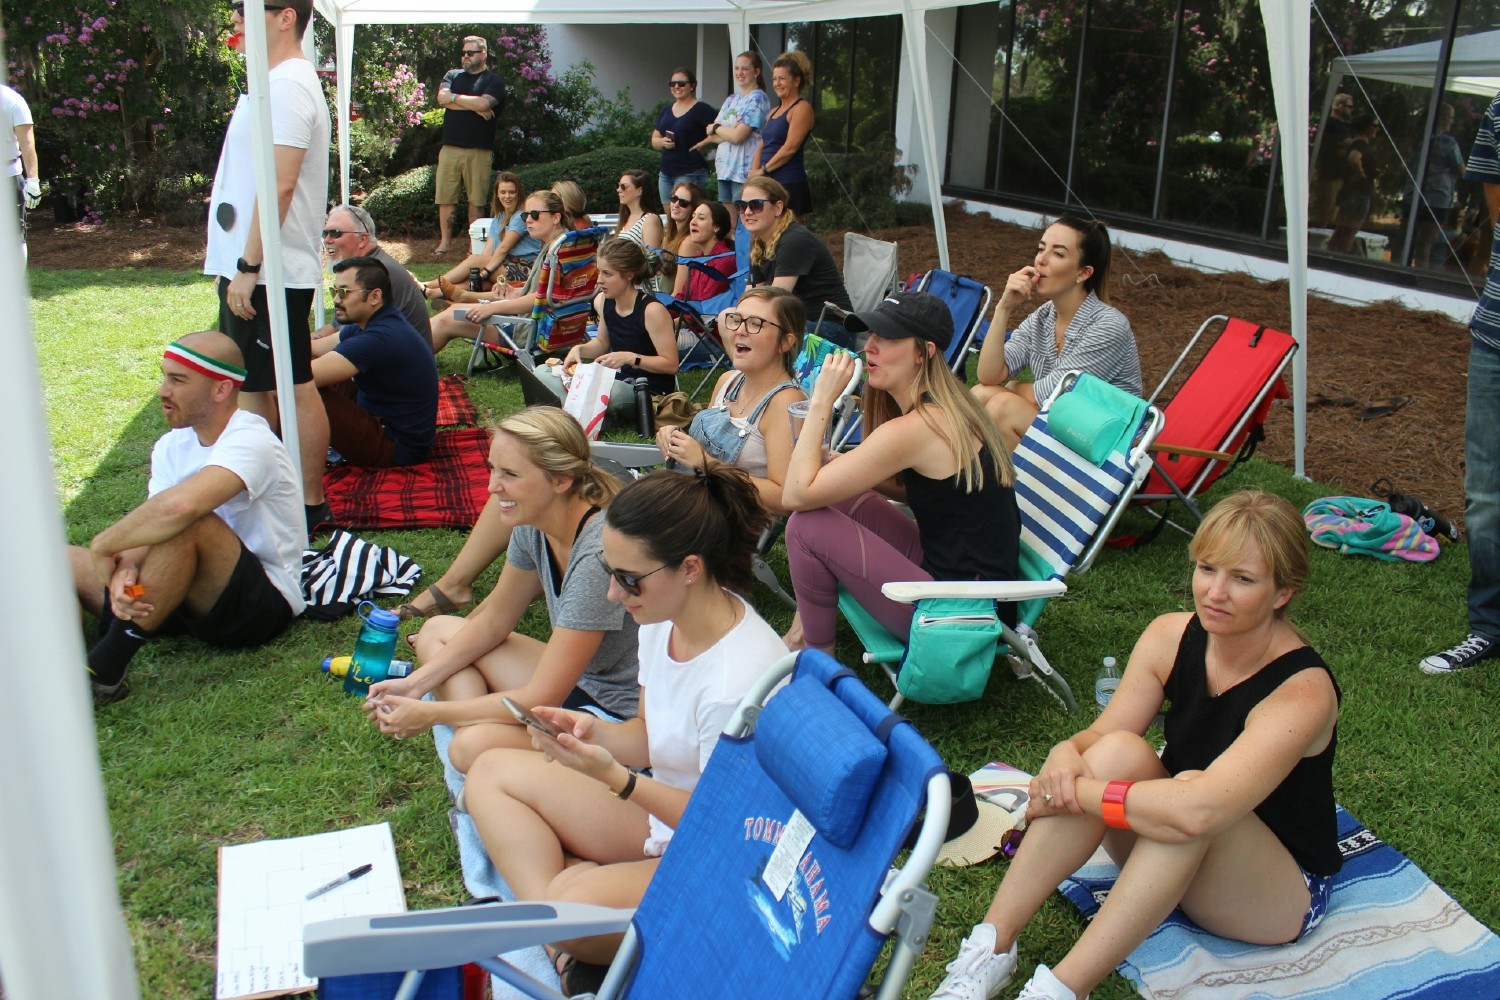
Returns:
point(1043, 985)
point(1472, 651)
point(978, 973)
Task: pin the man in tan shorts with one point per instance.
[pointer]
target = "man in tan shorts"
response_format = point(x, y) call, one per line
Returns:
point(472, 97)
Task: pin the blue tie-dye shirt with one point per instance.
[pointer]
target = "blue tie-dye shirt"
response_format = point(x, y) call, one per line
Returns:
point(1484, 166)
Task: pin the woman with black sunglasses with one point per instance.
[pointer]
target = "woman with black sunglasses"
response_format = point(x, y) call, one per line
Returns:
point(678, 550)
point(680, 127)
point(548, 495)
point(785, 253)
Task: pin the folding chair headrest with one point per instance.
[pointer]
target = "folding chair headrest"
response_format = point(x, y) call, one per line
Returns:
point(821, 757)
point(1095, 419)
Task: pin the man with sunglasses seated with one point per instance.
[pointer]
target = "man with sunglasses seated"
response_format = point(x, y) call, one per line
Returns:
point(350, 232)
point(376, 376)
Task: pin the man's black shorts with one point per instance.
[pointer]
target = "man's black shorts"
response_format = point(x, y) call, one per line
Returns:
point(254, 336)
point(250, 611)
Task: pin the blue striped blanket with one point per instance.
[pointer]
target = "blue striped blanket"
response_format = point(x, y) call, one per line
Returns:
point(1390, 932)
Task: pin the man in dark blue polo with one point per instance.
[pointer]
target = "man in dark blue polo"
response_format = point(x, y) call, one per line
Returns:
point(376, 376)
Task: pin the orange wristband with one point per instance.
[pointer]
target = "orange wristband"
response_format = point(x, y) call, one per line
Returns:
point(1112, 806)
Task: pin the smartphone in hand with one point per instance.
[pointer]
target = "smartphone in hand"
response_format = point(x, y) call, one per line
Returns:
point(522, 715)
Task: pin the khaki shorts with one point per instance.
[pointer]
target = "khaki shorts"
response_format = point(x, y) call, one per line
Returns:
point(471, 166)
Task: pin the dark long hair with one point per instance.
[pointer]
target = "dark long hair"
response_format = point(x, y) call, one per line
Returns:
point(714, 514)
point(1094, 250)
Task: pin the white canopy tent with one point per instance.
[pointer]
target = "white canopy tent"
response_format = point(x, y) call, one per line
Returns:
point(1473, 68)
point(60, 929)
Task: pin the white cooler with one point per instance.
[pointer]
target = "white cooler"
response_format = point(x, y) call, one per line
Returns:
point(479, 233)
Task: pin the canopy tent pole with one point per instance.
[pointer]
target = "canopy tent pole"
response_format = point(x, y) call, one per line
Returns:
point(267, 202)
point(1288, 26)
point(914, 27)
point(739, 36)
point(62, 933)
point(343, 61)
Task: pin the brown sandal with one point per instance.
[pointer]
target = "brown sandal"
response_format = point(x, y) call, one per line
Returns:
point(440, 605)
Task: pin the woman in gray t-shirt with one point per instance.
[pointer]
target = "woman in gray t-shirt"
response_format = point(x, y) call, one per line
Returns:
point(550, 495)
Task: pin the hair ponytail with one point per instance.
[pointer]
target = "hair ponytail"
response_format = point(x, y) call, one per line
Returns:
point(715, 514)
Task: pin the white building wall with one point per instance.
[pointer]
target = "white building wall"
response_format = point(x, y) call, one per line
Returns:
point(642, 57)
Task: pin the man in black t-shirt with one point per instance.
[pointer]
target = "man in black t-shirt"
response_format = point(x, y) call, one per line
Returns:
point(1357, 193)
point(472, 98)
point(1328, 169)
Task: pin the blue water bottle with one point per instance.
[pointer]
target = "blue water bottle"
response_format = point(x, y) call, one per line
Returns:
point(373, 650)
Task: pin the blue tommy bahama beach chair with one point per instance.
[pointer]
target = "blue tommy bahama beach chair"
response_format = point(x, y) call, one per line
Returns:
point(741, 906)
point(1077, 467)
point(968, 300)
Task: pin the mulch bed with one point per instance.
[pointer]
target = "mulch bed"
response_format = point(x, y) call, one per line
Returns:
point(1371, 352)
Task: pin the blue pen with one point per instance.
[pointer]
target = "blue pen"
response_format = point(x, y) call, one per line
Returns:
point(346, 877)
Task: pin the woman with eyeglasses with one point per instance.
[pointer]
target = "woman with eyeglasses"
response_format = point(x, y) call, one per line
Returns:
point(785, 133)
point(1235, 823)
point(547, 222)
point(549, 496)
point(1073, 329)
point(507, 258)
point(680, 127)
point(710, 228)
point(640, 210)
point(745, 423)
point(678, 240)
point(635, 331)
point(927, 441)
point(735, 132)
point(678, 550)
point(785, 253)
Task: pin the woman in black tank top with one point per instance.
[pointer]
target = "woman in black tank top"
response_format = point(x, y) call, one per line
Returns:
point(1235, 823)
point(927, 441)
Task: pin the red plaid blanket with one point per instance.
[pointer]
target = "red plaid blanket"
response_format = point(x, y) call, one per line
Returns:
point(455, 408)
point(446, 491)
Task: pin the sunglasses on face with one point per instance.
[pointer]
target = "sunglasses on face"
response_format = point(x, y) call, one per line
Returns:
point(340, 292)
point(753, 205)
point(679, 83)
point(239, 8)
point(333, 234)
point(473, 52)
point(684, 202)
point(733, 321)
point(534, 214)
point(629, 582)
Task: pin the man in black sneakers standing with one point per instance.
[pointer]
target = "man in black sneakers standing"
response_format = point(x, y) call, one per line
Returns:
point(216, 549)
point(1481, 443)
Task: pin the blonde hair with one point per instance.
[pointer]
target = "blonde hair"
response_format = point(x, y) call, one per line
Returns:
point(763, 247)
point(555, 443)
point(966, 419)
point(554, 203)
point(478, 42)
point(790, 313)
point(796, 62)
point(571, 192)
point(1264, 520)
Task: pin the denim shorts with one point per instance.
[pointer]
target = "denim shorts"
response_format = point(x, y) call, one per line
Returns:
point(731, 190)
point(1318, 887)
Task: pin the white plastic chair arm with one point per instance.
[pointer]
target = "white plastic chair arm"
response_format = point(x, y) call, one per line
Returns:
point(911, 591)
point(436, 939)
point(631, 454)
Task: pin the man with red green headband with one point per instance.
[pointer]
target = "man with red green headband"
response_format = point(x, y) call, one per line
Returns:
point(216, 549)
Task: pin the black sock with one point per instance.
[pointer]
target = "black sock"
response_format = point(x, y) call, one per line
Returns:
point(111, 655)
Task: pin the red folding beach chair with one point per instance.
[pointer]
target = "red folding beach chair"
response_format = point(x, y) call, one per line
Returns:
point(1216, 418)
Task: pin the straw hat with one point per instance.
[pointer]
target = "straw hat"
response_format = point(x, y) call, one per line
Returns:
point(975, 826)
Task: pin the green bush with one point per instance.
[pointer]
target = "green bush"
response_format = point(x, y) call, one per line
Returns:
point(598, 171)
point(858, 189)
point(404, 203)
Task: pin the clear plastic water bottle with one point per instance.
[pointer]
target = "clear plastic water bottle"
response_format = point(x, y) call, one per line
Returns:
point(373, 650)
point(338, 666)
point(1105, 682)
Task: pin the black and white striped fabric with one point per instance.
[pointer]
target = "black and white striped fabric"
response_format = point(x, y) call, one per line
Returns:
point(348, 570)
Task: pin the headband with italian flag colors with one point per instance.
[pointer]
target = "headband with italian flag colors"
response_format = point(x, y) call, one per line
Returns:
point(203, 364)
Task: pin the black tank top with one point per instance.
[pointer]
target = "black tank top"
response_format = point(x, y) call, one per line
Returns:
point(627, 332)
point(1300, 811)
point(967, 536)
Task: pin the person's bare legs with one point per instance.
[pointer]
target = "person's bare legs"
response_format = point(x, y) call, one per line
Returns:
point(188, 570)
point(507, 666)
point(532, 814)
point(446, 329)
point(445, 225)
point(487, 541)
point(619, 886)
point(1011, 412)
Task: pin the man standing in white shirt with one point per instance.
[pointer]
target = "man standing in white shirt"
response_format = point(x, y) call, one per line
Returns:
point(299, 122)
point(216, 549)
point(19, 141)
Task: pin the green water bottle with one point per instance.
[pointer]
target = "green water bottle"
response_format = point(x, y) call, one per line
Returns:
point(338, 666)
point(373, 649)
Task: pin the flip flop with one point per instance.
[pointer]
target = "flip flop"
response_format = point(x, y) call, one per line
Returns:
point(440, 605)
point(1318, 399)
point(1382, 408)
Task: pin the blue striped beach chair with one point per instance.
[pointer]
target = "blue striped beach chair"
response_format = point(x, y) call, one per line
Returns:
point(1077, 467)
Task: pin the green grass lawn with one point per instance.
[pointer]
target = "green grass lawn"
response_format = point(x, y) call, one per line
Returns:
point(221, 748)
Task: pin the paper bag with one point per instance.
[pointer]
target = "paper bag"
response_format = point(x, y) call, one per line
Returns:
point(588, 396)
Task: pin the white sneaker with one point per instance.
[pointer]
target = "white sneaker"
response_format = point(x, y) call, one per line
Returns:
point(978, 973)
point(1043, 985)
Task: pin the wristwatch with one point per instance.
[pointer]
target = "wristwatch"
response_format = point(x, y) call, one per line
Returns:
point(637, 361)
point(246, 268)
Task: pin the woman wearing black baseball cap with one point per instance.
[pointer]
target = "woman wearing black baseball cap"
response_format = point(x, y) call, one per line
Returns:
point(928, 441)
